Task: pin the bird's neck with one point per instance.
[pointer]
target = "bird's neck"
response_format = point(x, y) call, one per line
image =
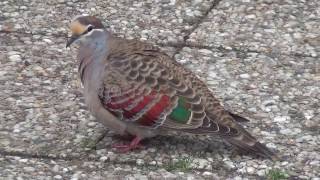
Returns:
point(91, 56)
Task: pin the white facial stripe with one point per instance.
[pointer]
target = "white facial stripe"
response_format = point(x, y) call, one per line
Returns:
point(83, 37)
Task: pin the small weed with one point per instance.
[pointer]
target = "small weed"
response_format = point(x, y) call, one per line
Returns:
point(183, 164)
point(87, 143)
point(276, 174)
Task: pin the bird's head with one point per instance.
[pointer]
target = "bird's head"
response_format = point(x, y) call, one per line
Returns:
point(83, 26)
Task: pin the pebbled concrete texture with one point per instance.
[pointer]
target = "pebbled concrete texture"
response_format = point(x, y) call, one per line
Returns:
point(160, 21)
point(261, 59)
point(270, 26)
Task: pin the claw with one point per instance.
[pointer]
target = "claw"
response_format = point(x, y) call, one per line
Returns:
point(124, 148)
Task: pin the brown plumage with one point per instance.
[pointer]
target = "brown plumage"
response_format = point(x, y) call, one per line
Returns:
point(148, 93)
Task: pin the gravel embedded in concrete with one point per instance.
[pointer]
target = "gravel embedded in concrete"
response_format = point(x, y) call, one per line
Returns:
point(280, 94)
point(268, 73)
point(162, 22)
point(16, 168)
point(270, 26)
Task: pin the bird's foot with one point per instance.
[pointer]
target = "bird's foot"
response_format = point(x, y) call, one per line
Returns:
point(124, 148)
point(236, 152)
point(126, 137)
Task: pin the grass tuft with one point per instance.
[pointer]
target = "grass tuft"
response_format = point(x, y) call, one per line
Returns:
point(88, 143)
point(276, 174)
point(183, 164)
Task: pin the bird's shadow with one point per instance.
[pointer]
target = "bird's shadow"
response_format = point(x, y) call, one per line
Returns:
point(190, 144)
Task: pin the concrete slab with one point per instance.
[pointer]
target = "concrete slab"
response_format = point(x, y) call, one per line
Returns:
point(269, 26)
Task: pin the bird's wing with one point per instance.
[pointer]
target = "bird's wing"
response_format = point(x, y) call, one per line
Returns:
point(147, 87)
point(139, 88)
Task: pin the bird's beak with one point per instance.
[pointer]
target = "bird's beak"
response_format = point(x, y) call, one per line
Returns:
point(72, 39)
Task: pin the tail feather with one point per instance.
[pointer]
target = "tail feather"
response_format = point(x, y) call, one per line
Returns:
point(238, 118)
point(249, 145)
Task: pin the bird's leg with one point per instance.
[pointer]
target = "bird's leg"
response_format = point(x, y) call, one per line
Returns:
point(134, 144)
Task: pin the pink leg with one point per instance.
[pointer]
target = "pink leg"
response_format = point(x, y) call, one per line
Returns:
point(134, 144)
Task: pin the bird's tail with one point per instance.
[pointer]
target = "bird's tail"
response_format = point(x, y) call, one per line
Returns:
point(248, 144)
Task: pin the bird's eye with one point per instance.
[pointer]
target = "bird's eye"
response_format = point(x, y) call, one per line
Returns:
point(89, 28)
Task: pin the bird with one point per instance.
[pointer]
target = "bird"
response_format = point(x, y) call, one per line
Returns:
point(134, 88)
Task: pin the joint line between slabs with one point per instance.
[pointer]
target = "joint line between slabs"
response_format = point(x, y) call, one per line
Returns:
point(76, 158)
point(195, 26)
point(177, 45)
point(36, 156)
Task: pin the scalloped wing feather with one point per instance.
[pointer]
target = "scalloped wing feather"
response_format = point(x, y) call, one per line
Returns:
point(144, 86)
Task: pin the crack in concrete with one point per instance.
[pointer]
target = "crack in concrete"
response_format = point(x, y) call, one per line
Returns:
point(178, 45)
point(37, 156)
point(231, 49)
point(181, 45)
point(70, 158)
point(99, 139)
point(241, 50)
point(201, 19)
point(195, 26)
